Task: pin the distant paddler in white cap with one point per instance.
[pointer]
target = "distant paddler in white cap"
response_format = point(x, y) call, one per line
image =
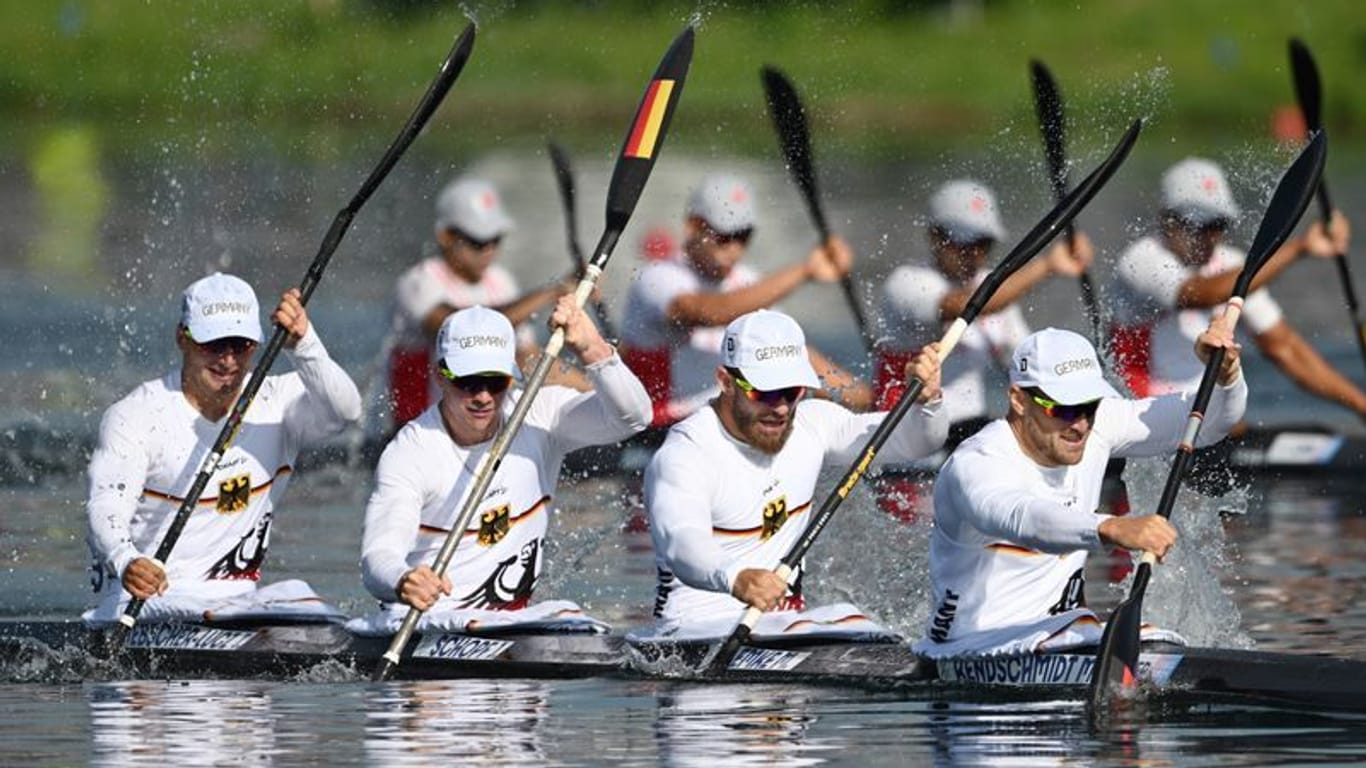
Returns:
point(428, 469)
point(1168, 282)
point(920, 300)
point(733, 486)
point(471, 223)
point(1016, 505)
point(677, 309)
point(152, 442)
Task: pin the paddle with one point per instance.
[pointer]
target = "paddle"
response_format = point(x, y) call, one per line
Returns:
point(634, 163)
point(1307, 91)
point(1117, 661)
point(564, 177)
point(1048, 106)
point(789, 119)
point(1031, 244)
point(436, 92)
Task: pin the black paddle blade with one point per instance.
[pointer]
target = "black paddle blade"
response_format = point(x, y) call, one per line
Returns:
point(1048, 106)
point(1116, 667)
point(789, 120)
point(1054, 222)
point(1306, 75)
point(646, 135)
point(1292, 196)
point(564, 179)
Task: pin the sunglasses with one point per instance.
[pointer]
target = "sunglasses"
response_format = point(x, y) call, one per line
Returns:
point(477, 245)
point(492, 383)
point(770, 397)
point(1068, 413)
point(742, 237)
point(237, 345)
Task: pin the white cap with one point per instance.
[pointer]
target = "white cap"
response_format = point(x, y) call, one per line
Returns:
point(1196, 190)
point(1061, 363)
point(769, 349)
point(220, 306)
point(472, 207)
point(967, 211)
point(477, 340)
point(724, 202)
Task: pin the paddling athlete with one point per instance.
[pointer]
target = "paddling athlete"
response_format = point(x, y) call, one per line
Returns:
point(152, 442)
point(919, 302)
point(471, 223)
point(677, 310)
point(1013, 506)
point(732, 487)
point(428, 468)
point(1168, 282)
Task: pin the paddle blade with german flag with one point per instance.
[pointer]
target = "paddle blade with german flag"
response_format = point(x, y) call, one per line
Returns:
point(646, 135)
point(1116, 667)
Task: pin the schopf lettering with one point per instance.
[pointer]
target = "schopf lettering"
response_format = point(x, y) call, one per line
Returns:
point(460, 647)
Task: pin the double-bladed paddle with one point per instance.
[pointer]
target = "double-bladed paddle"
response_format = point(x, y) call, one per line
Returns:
point(1116, 666)
point(1048, 106)
point(789, 119)
point(1308, 93)
point(1029, 246)
point(564, 179)
point(436, 92)
point(634, 163)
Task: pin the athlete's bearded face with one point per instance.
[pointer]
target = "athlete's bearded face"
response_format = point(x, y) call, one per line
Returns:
point(764, 422)
point(1055, 439)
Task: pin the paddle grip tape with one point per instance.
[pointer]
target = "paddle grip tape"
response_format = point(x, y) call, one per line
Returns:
point(581, 293)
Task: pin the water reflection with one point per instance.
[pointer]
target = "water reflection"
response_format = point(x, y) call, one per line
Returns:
point(461, 722)
point(707, 726)
point(180, 723)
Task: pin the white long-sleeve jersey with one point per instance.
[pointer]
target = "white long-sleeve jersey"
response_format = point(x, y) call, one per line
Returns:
point(424, 478)
point(717, 505)
point(151, 445)
point(1011, 537)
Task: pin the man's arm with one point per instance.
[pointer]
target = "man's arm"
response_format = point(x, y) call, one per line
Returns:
point(1298, 360)
point(118, 472)
point(1062, 259)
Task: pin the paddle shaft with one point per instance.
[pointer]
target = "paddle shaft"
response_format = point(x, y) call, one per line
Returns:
point(1308, 91)
point(1049, 108)
point(436, 92)
point(564, 176)
point(1117, 658)
point(789, 120)
point(634, 163)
